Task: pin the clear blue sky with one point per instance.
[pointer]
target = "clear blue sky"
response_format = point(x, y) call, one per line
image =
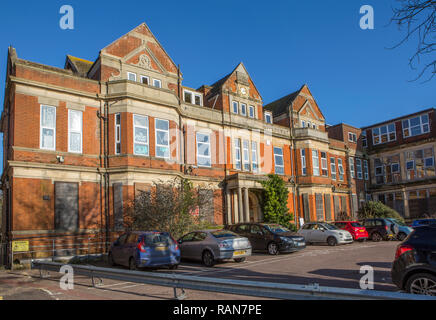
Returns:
point(353, 76)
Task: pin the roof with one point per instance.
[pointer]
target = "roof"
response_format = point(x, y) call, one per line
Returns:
point(281, 105)
point(80, 66)
point(217, 85)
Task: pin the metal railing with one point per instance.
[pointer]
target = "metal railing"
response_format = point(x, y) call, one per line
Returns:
point(230, 286)
point(52, 247)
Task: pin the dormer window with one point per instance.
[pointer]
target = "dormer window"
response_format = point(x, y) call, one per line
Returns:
point(192, 97)
point(268, 117)
point(145, 80)
point(131, 76)
point(352, 137)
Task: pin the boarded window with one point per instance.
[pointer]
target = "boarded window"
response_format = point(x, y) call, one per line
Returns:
point(328, 208)
point(319, 207)
point(306, 208)
point(336, 204)
point(343, 204)
point(66, 206)
point(118, 206)
point(355, 204)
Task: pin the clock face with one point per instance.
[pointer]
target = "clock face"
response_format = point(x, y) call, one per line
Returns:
point(243, 90)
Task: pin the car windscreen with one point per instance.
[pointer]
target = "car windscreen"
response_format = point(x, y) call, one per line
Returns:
point(276, 228)
point(330, 226)
point(157, 239)
point(356, 224)
point(224, 234)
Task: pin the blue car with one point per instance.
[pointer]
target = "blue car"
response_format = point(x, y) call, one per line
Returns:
point(422, 222)
point(403, 229)
point(140, 249)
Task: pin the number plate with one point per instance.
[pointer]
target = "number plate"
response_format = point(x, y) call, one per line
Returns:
point(238, 253)
point(161, 248)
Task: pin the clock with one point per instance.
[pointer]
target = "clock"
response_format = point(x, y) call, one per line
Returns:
point(243, 91)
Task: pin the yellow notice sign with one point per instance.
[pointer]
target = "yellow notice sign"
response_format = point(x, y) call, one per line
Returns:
point(20, 246)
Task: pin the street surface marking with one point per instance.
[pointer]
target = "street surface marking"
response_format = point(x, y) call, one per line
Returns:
point(109, 285)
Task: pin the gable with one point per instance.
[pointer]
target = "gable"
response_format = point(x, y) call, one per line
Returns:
point(140, 47)
point(238, 79)
point(305, 103)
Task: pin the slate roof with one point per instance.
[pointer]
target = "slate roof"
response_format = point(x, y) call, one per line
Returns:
point(281, 105)
point(80, 66)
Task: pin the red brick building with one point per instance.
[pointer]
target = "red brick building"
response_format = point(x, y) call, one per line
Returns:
point(79, 142)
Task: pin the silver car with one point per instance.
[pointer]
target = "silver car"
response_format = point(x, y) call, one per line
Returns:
point(211, 246)
point(321, 232)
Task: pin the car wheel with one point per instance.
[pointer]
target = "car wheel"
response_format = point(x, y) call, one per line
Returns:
point(376, 237)
point(239, 260)
point(273, 249)
point(174, 266)
point(208, 259)
point(401, 236)
point(132, 264)
point(422, 283)
point(331, 241)
point(110, 259)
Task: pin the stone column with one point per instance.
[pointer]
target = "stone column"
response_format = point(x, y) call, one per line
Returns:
point(406, 204)
point(240, 206)
point(246, 205)
point(229, 206)
point(235, 206)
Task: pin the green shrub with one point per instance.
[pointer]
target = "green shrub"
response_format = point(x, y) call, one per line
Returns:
point(376, 209)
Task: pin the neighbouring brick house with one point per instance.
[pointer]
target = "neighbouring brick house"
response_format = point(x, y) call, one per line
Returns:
point(80, 142)
point(401, 153)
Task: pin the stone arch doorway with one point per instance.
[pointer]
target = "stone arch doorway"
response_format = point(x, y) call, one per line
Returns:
point(255, 208)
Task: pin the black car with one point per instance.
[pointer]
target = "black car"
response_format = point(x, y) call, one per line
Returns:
point(414, 268)
point(379, 229)
point(271, 237)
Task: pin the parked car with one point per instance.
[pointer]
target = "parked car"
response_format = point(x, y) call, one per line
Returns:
point(379, 229)
point(269, 236)
point(358, 232)
point(422, 222)
point(414, 268)
point(402, 229)
point(141, 249)
point(322, 232)
point(211, 246)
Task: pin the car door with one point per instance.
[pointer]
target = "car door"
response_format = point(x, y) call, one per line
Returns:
point(129, 248)
point(320, 233)
point(257, 237)
point(306, 231)
point(117, 248)
point(185, 244)
point(198, 245)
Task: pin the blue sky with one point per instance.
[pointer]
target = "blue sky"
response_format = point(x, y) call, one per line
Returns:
point(351, 72)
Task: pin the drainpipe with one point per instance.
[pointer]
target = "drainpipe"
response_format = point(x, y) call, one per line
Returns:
point(294, 162)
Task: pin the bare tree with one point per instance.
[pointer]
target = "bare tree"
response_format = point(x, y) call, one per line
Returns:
point(175, 207)
point(418, 16)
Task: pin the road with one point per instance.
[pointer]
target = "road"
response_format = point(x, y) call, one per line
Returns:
point(328, 266)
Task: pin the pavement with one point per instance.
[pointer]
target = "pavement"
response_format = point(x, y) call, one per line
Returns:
point(337, 266)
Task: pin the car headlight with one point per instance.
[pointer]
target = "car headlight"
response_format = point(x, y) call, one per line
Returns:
point(287, 240)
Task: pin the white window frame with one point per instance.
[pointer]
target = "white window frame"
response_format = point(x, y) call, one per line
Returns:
point(364, 139)
point(387, 133)
point(235, 107)
point(193, 95)
point(246, 155)
point(157, 81)
point(117, 132)
point(148, 135)
point(351, 163)
point(146, 77)
point(333, 166)
point(237, 147)
point(208, 157)
point(268, 114)
point(243, 109)
point(421, 126)
point(365, 170)
point(324, 164)
point(162, 145)
point(353, 137)
point(359, 168)
point(303, 162)
point(303, 123)
point(129, 74)
point(275, 162)
point(41, 127)
point(340, 170)
point(250, 109)
point(70, 111)
point(315, 163)
point(254, 157)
